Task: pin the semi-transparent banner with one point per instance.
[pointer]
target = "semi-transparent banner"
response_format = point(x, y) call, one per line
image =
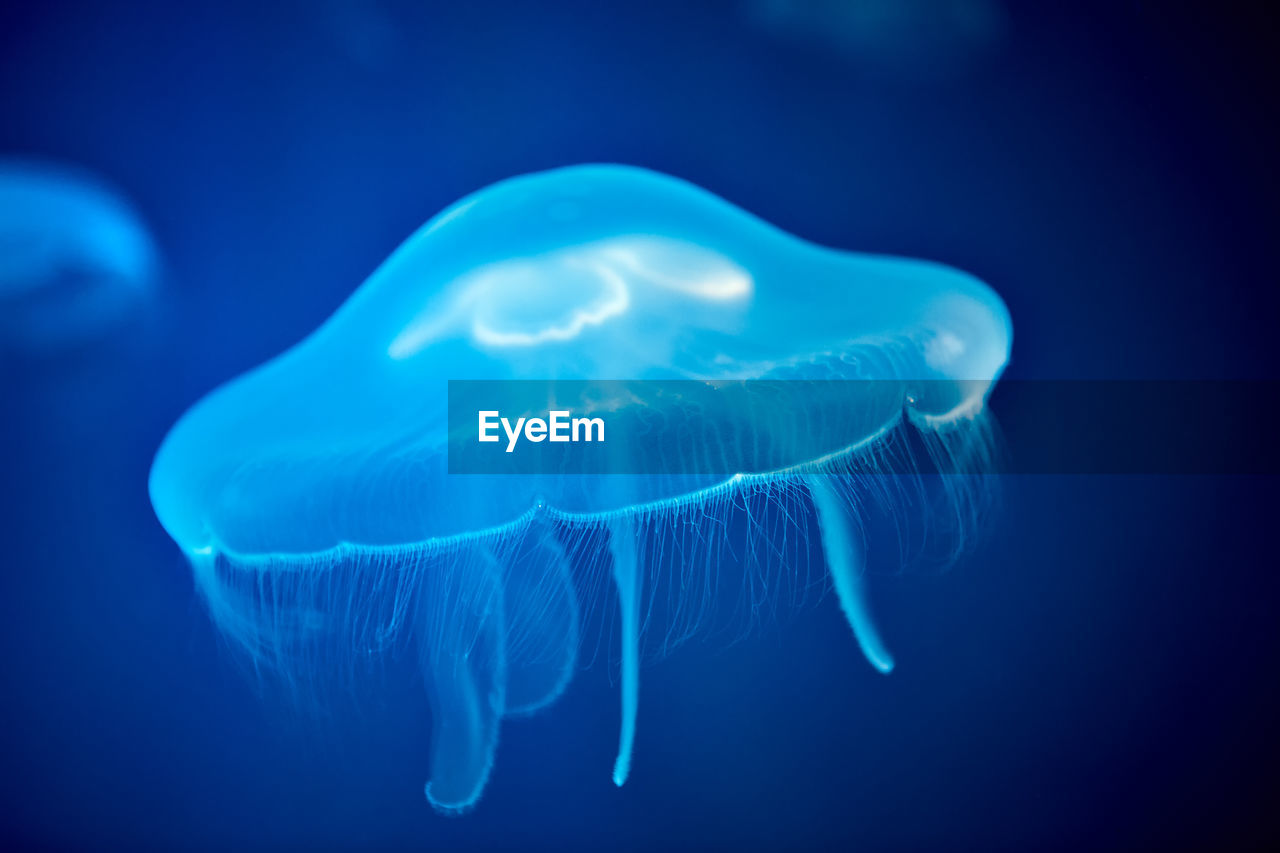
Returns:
point(760, 426)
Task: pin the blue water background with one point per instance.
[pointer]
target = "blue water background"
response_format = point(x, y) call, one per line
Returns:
point(1100, 671)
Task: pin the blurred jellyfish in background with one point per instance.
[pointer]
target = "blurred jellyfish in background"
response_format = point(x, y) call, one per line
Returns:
point(908, 39)
point(76, 262)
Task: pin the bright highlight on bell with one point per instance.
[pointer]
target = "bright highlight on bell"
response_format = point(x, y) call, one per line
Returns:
point(313, 498)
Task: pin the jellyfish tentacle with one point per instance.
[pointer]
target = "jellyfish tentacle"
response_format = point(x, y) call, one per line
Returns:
point(465, 665)
point(627, 580)
point(842, 547)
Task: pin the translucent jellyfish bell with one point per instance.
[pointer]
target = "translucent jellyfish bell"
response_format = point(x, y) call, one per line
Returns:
point(75, 259)
point(313, 495)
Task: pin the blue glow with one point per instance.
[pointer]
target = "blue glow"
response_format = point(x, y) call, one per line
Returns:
point(921, 39)
point(74, 257)
point(312, 498)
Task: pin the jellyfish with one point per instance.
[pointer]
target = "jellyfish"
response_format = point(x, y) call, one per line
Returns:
point(75, 258)
point(314, 498)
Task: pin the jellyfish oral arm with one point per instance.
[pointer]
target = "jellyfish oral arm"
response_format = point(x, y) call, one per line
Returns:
point(842, 548)
point(464, 633)
point(626, 578)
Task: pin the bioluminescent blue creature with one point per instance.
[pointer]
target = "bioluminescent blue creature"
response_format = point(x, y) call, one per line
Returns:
point(74, 257)
point(313, 498)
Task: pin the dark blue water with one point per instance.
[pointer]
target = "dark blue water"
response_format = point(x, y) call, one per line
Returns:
point(1100, 671)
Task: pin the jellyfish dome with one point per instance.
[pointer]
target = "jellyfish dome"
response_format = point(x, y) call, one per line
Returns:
point(315, 499)
point(75, 258)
